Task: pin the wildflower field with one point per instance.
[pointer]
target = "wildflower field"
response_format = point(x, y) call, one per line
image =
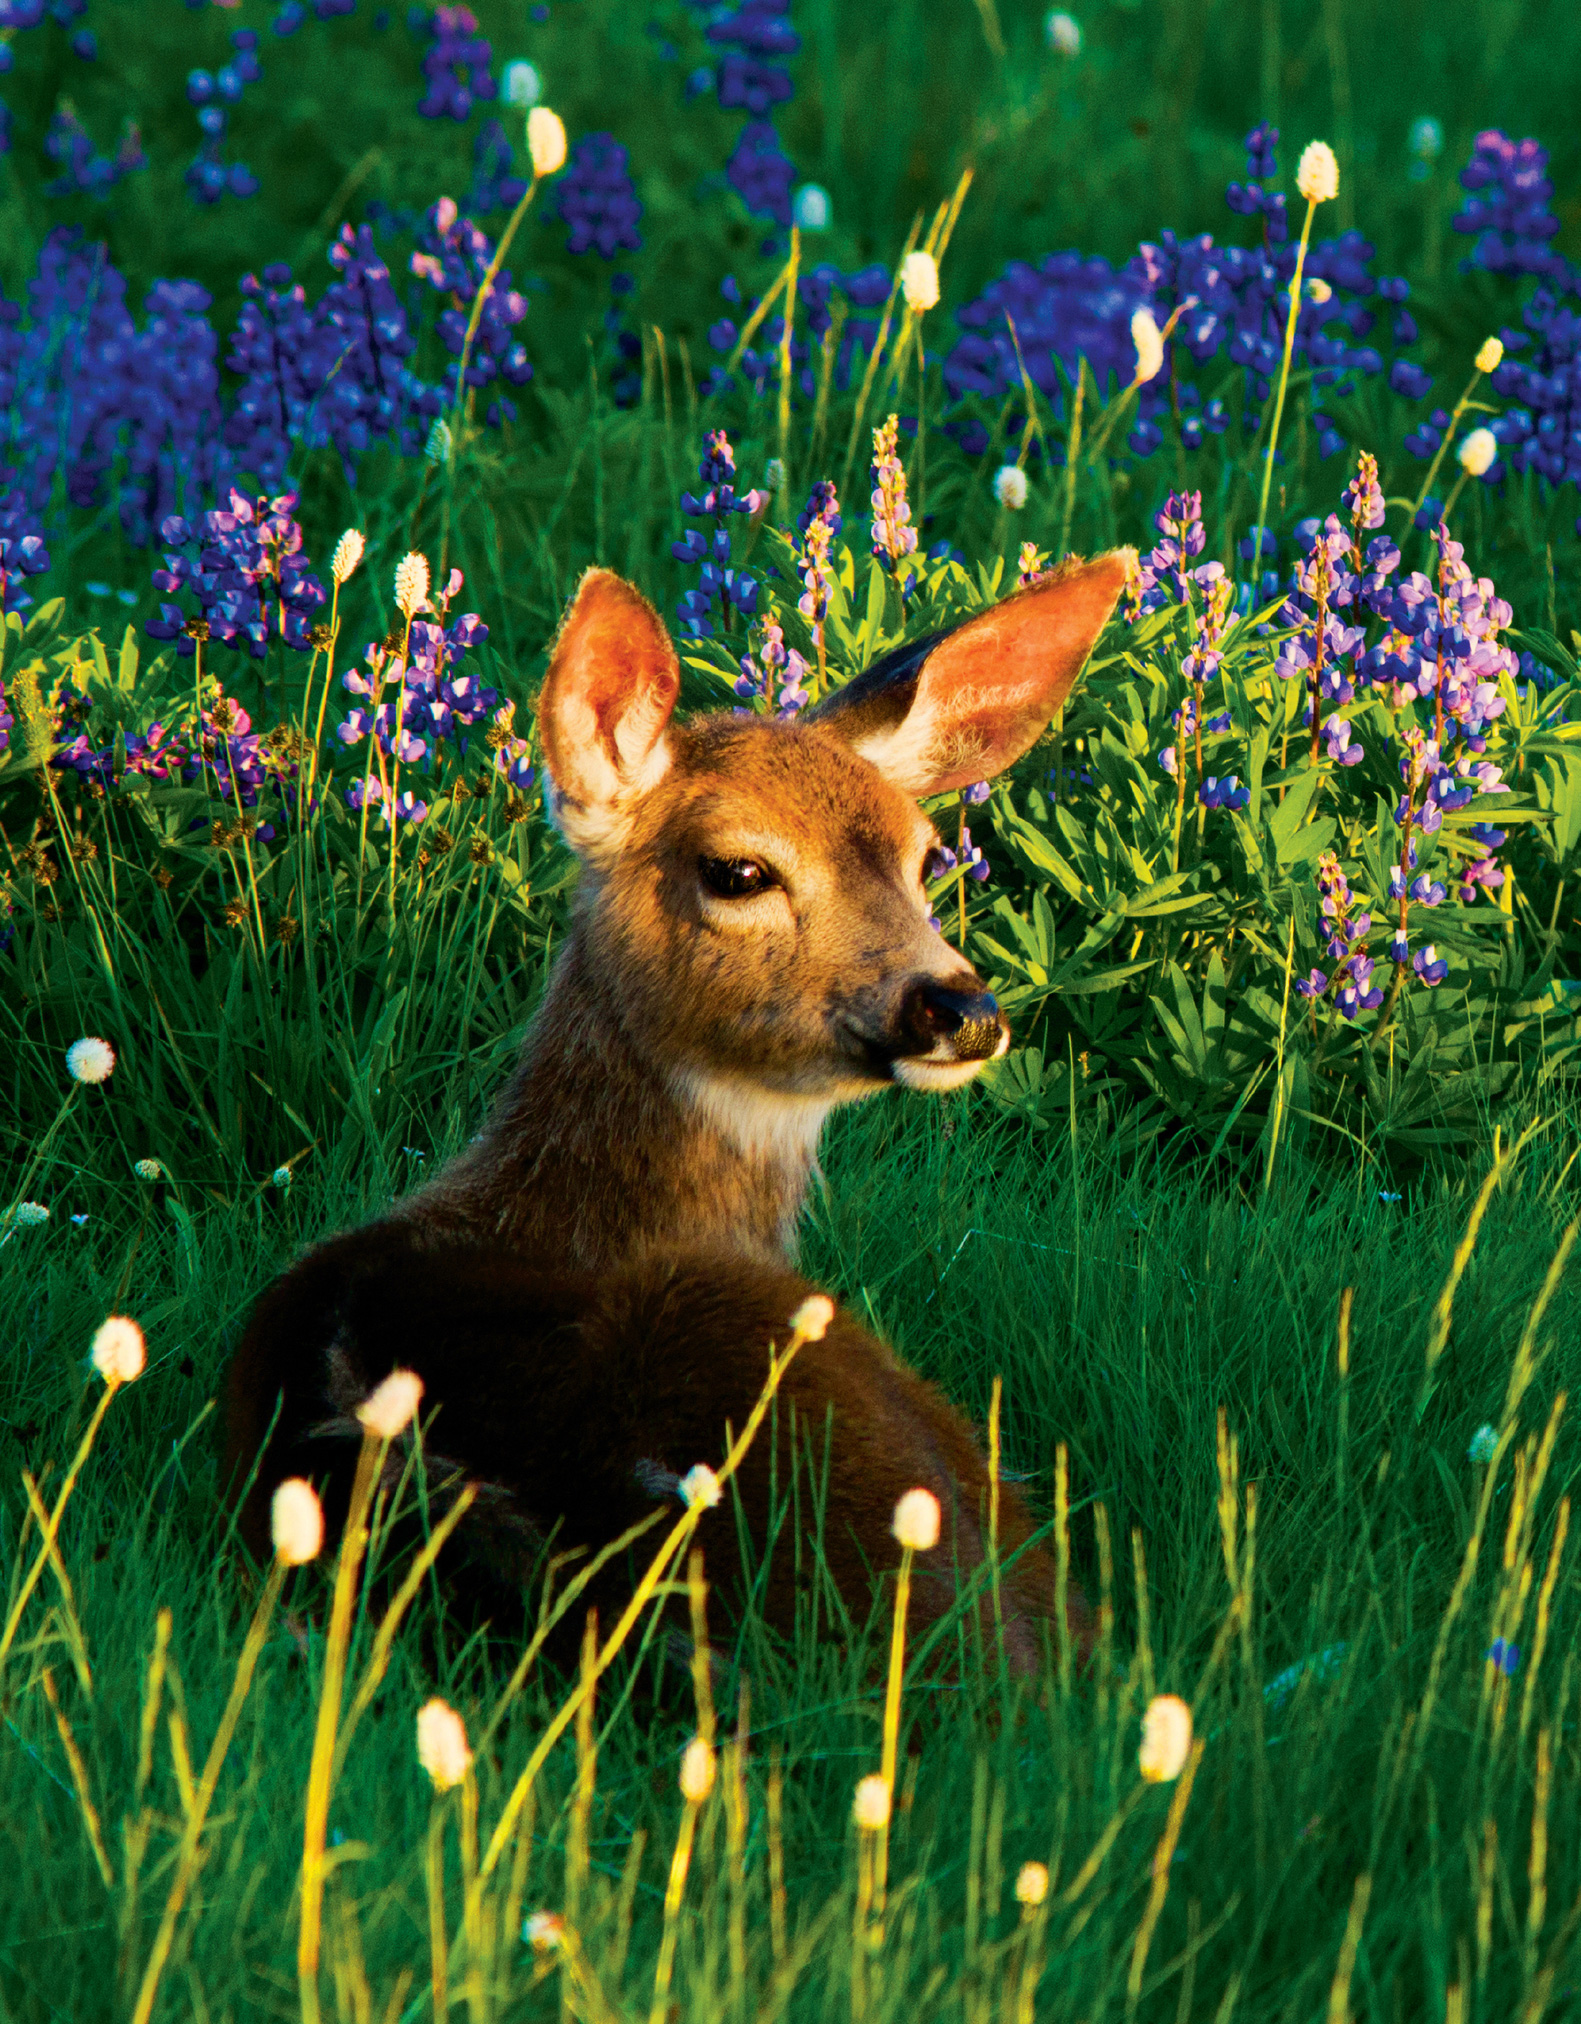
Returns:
point(336, 341)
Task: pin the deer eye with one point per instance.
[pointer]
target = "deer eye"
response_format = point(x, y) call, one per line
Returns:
point(735, 878)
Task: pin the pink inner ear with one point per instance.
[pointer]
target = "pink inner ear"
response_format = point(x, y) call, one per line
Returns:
point(988, 690)
point(614, 662)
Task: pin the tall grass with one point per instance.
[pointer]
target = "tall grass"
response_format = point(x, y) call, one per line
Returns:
point(1388, 1822)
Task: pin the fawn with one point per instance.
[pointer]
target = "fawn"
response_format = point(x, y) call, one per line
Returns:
point(588, 1291)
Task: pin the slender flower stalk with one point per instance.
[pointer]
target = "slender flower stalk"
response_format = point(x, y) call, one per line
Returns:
point(1490, 356)
point(1317, 178)
point(353, 1544)
point(289, 1545)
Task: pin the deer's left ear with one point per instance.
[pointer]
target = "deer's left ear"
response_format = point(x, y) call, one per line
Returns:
point(941, 713)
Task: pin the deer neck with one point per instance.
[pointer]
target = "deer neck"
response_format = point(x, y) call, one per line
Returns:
point(593, 1149)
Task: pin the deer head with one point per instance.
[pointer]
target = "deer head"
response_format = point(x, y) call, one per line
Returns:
point(753, 891)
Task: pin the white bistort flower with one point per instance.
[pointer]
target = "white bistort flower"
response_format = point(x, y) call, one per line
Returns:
point(916, 1521)
point(1032, 1883)
point(545, 140)
point(1317, 173)
point(411, 583)
point(919, 281)
point(118, 1353)
point(700, 1488)
point(1490, 355)
point(296, 1522)
point(90, 1060)
point(811, 209)
point(1484, 1445)
point(1149, 342)
point(348, 553)
point(520, 85)
point(149, 1170)
point(442, 1747)
point(697, 1771)
point(1166, 1739)
point(1010, 487)
point(1478, 453)
point(811, 1320)
point(1064, 33)
point(870, 1807)
point(1427, 139)
point(28, 1215)
point(388, 1408)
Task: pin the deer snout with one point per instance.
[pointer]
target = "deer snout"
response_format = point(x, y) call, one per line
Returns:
point(947, 1028)
point(957, 1021)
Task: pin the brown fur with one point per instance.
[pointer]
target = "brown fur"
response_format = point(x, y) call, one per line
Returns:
point(688, 1049)
point(579, 1402)
point(589, 1289)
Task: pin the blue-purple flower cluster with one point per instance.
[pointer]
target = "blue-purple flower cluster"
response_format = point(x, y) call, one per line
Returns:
point(757, 39)
point(214, 93)
point(457, 65)
point(244, 571)
point(453, 255)
point(84, 171)
point(597, 199)
point(1353, 623)
point(722, 589)
point(1232, 303)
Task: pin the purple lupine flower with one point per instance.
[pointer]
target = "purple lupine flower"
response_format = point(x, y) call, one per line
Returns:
point(1399, 947)
point(975, 795)
point(1343, 748)
point(1430, 967)
point(1354, 995)
point(456, 65)
point(1227, 793)
point(761, 172)
point(776, 676)
point(720, 585)
point(453, 255)
point(1425, 891)
point(1312, 985)
point(597, 199)
point(1504, 1655)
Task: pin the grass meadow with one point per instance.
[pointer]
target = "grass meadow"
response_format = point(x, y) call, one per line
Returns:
point(1285, 1380)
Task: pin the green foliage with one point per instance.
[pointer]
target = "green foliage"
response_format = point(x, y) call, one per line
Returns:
point(1121, 1302)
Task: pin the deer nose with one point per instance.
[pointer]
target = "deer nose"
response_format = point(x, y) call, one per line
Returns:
point(966, 1024)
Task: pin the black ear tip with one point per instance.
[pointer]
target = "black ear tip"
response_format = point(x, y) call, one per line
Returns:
point(892, 679)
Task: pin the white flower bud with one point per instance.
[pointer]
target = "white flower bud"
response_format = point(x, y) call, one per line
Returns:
point(28, 1215)
point(544, 1931)
point(411, 583)
point(348, 553)
point(1491, 355)
point(149, 1170)
point(1478, 452)
point(916, 1523)
point(296, 1522)
point(90, 1060)
point(388, 1408)
point(281, 1177)
point(700, 1488)
point(1317, 173)
point(811, 1320)
point(442, 1744)
point(437, 448)
point(870, 1807)
point(1032, 1884)
point(1010, 487)
point(697, 1771)
point(545, 140)
point(1484, 1445)
point(1149, 342)
point(521, 86)
point(1064, 33)
point(919, 281)
point(118, 1353)
point(1427, 139)
point(1166, 1739)
point(811, 209)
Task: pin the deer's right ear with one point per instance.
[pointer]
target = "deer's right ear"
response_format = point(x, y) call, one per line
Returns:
point(605, 709)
